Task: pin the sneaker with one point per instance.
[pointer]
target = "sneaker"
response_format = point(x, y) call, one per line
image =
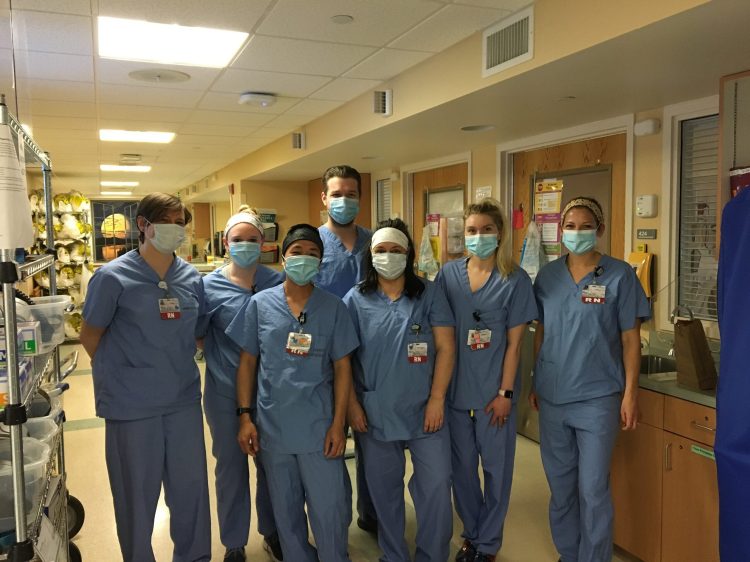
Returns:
point(482, 557)
point(235, 555)
point(368, 524)
point(272, 546)
point(466, 553)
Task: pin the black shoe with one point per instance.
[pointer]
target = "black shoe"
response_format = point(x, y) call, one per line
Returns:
point(482, 557)
point(466, 553)
point(368, 524)
point(272, 546)
point(234, 555)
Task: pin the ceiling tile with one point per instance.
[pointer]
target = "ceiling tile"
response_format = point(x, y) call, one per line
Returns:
point(137, 125)
point(38, 108)
point(144, 95)
point(386, 64)
point(271, 133)
point(53, 66)
point(5, 26)
point(287, 120)
point(509, 5)
point(116, 72)
point(375, 22)
point(80, 7)
point(313, 108)
point(43, 135)
point(52, 33)
point(218, 130)
point(447, 27)
point(184, 139)
point(244, 118)
point(344, 89)
point(143, 113)
point(229, 102)
point(57, 90)
point(75, 123)
point(292, 85)
point(298, 56)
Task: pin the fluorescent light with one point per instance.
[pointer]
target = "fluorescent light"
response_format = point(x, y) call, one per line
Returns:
point(119, 183)
point(125, 168)
point(115, 193)
point(118, 135)
point(162, 43)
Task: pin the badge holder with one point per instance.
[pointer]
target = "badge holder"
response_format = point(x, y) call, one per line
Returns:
point(299, 343)
point(416, 352)
point(169, 308)
point(478, 338)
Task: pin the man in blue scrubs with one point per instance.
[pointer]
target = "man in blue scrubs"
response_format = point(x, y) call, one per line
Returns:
point(345, 244)
point(139, 329)
point(296, 341)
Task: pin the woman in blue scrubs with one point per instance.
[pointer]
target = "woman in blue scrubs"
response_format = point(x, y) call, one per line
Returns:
point(226, 290)
point(296, 340)
point(493, 301)
point(139, 329)
point(402, 370)
point(586, 379)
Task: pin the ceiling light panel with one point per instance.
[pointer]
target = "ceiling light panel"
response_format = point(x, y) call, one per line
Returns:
point(116, 135)
point(119, 183)
point(167, 43)
point(115, 193)
point(127, 168)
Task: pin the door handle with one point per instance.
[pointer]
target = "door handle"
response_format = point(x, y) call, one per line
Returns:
point(668, 457)
point(697, 425)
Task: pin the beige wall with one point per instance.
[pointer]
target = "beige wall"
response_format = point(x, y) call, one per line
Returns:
point(483, 170)
point(222, 212)
point(288, 198)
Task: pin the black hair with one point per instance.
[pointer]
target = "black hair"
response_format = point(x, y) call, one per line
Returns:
point(413, 285)
point(157, 206)
point(342, 171)
point(302, 231)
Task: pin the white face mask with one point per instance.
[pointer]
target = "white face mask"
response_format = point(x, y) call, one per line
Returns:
point(167, 237)
point(389, 266)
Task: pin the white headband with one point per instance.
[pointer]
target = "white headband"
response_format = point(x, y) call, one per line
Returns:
point(389, 234)
point(244, 217)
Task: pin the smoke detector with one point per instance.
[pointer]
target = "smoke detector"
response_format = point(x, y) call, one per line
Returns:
point(259, 99)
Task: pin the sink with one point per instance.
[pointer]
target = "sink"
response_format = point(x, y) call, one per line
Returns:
point(657, 364)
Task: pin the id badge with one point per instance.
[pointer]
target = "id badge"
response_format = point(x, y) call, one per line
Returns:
point(417, 352)
point(298, 343)
point(594, 294)
point(169, 309)
point(479, 339)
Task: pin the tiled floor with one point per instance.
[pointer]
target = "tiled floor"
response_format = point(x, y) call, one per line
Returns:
point(527, 537)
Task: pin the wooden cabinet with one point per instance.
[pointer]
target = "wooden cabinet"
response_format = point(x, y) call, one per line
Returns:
point(664, 485)
point(201, 220)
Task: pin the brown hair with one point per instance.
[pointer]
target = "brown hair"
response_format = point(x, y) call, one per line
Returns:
point(342, 171)
point(493, 209)
point(156, 206)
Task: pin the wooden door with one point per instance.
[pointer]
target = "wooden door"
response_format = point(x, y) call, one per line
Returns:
point(435, 180)
point(690, 519)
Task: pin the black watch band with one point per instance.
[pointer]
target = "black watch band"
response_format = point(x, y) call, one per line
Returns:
point(505, 393)
point(241, 411)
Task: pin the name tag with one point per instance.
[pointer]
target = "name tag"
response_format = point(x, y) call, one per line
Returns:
point(417, 352)
point(298, 343)
point(479, 339)
point(169, 309)
point(594, 294)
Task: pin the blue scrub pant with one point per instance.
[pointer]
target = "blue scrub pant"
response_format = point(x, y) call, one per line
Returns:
point(365, 506)
point(430, 489)
point(577, 440)
point(232, 475)
point(294, 480)
point(143, 454)
point(482, 513)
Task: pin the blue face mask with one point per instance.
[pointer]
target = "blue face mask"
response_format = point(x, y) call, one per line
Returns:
point(244, 254)
point(343, 210)
point(481, 245)
point(301, 269)
point(579, 242)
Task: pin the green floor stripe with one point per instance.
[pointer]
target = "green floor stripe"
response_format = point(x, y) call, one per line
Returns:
point(91, 423)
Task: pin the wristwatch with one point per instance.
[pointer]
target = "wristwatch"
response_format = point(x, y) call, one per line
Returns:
point(241, 411)
point(505, 393)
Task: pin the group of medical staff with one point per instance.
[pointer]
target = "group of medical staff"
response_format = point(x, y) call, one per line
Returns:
point(348, 336)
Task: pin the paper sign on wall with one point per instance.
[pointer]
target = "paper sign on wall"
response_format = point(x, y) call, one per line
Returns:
point(482, 193)
point(547, 206)
point(16, 230)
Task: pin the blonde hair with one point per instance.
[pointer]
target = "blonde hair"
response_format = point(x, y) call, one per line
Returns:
point(494, 209)
point(248, 209)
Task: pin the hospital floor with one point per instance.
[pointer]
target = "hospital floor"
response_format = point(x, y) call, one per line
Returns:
point(527, 537)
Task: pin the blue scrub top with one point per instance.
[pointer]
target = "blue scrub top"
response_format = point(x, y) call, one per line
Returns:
point(144, 365)
point(295, 393)
point(581, 355)
point(224, 299)
point(341, 269)
point(393, 391)
point(502, 303)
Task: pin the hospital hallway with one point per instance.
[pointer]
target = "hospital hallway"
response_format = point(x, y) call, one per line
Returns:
point(527, 536)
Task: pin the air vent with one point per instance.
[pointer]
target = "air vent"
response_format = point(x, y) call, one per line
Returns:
point(130, 158)
point(298, 141)
point(382, 102)
point(508, 43)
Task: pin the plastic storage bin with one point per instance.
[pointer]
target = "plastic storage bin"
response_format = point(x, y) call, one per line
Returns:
point(42, 429)
point(35, 457)
point(46, 408)
point(50, 312)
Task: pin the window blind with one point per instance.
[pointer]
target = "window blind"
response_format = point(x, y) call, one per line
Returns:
point(697, 255)
point(383, 199)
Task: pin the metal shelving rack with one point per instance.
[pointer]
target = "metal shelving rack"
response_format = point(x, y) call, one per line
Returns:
point(47, 368)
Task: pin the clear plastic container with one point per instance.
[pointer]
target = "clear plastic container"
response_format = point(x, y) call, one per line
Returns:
point(35, 457)
point(46, 408)
point(50, 311)
point(42, 429)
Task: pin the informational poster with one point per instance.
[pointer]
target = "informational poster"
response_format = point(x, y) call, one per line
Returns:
point(16, 230)
point(482, 193)
point(547, 206)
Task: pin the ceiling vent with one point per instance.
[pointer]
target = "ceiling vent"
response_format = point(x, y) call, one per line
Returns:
point(130, 158)
point(382, 102)
point(508, 43)
point(298, 141)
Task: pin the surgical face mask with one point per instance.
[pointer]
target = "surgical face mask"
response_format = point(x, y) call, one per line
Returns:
point(244, 254)
point(389, 265)
point(481, 245)
point(301, 269)
point(167, 237)
point(579, 241)
point(343, 210)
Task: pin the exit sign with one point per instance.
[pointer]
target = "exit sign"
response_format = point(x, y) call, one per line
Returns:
point(646, 234)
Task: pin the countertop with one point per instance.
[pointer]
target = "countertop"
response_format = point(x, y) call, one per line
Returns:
point(671, 388)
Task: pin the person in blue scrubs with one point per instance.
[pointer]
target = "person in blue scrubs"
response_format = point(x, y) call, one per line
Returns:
point(296, 342)
point(341, 268)
point(493, 301)
point(402, 370)
point(227, 289)
point(585, 383)
point(139, 329)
